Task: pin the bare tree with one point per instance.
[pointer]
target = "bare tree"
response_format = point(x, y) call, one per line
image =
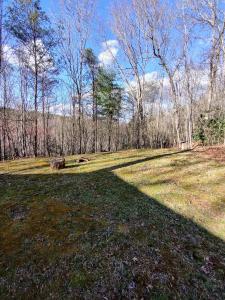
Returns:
point(135, 51)
point(1, 35)
point(209, 16)
point(158, 23)
point(75, 33)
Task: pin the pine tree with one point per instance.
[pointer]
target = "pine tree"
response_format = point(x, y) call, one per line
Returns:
point(31, 28)
point(109, 96)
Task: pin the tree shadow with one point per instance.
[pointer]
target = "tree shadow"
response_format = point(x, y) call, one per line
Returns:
point(117, 162)
point(92, 235)
point(32, 168)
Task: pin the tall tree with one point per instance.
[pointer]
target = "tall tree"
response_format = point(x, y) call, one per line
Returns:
point(31, 28)
point(1, 60)
point(209, 19)
point(93, 65)
point(1, 35)
point(75, 32)
point(158, 23)
point(126, 26)
point(109, 98)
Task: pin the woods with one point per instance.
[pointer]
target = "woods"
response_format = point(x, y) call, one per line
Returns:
point(155, 79)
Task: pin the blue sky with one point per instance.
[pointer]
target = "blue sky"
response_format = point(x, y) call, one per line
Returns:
point(103, 13)
point(52, 7)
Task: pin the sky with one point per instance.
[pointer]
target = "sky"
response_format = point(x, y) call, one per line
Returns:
point(101, 30)
point(102, 17)
point(101, 23)
point(52, 7)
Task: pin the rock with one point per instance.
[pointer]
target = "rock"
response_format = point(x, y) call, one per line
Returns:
point(58, 163)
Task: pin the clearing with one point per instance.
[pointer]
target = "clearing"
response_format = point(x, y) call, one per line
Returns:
point(147, 224)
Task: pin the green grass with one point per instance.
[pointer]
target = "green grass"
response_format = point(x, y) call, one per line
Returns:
point(147, 224)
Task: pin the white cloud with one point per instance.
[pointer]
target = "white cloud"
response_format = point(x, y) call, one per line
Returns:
point(110, 51)
point(43, 57)
point(151, 77)
point(9, 55)
point(110, 43)
point(25, 53)
point(61, 109)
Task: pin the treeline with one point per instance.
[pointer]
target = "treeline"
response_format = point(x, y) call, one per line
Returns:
point(158, 83)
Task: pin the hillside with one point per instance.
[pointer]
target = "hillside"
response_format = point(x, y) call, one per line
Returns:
point(139, 224)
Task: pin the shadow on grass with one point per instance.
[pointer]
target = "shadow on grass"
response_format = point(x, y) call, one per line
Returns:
point(33, 168)
point(92, 235)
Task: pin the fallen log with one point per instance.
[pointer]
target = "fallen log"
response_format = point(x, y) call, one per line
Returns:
point(58, 163)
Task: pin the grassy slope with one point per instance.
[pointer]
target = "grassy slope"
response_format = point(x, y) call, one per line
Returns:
point(127, 225)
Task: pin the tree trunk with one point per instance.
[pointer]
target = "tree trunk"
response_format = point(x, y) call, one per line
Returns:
point(35, 101)
point(62, 136)
point(96, 125)
point(94, 117)
point(79, 123)
point(4, 125)
point(110, 131)
point(23, 117)
point(93, 126)
point(138, 126)
point(73, 127)
point(43, 118)
point(117, 134)
point(1, 43)
point(47, 134)
point(177, 127)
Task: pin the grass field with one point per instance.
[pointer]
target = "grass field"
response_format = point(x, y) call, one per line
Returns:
point(147, 224)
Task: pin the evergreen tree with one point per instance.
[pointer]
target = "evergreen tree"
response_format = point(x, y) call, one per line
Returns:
point(109, 96)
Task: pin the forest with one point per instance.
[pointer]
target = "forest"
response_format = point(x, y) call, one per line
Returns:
point(151, 75)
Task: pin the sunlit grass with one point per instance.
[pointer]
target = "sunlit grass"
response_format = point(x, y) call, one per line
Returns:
point(189, 185)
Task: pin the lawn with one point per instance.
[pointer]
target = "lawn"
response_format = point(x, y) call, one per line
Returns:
point(139, 224)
